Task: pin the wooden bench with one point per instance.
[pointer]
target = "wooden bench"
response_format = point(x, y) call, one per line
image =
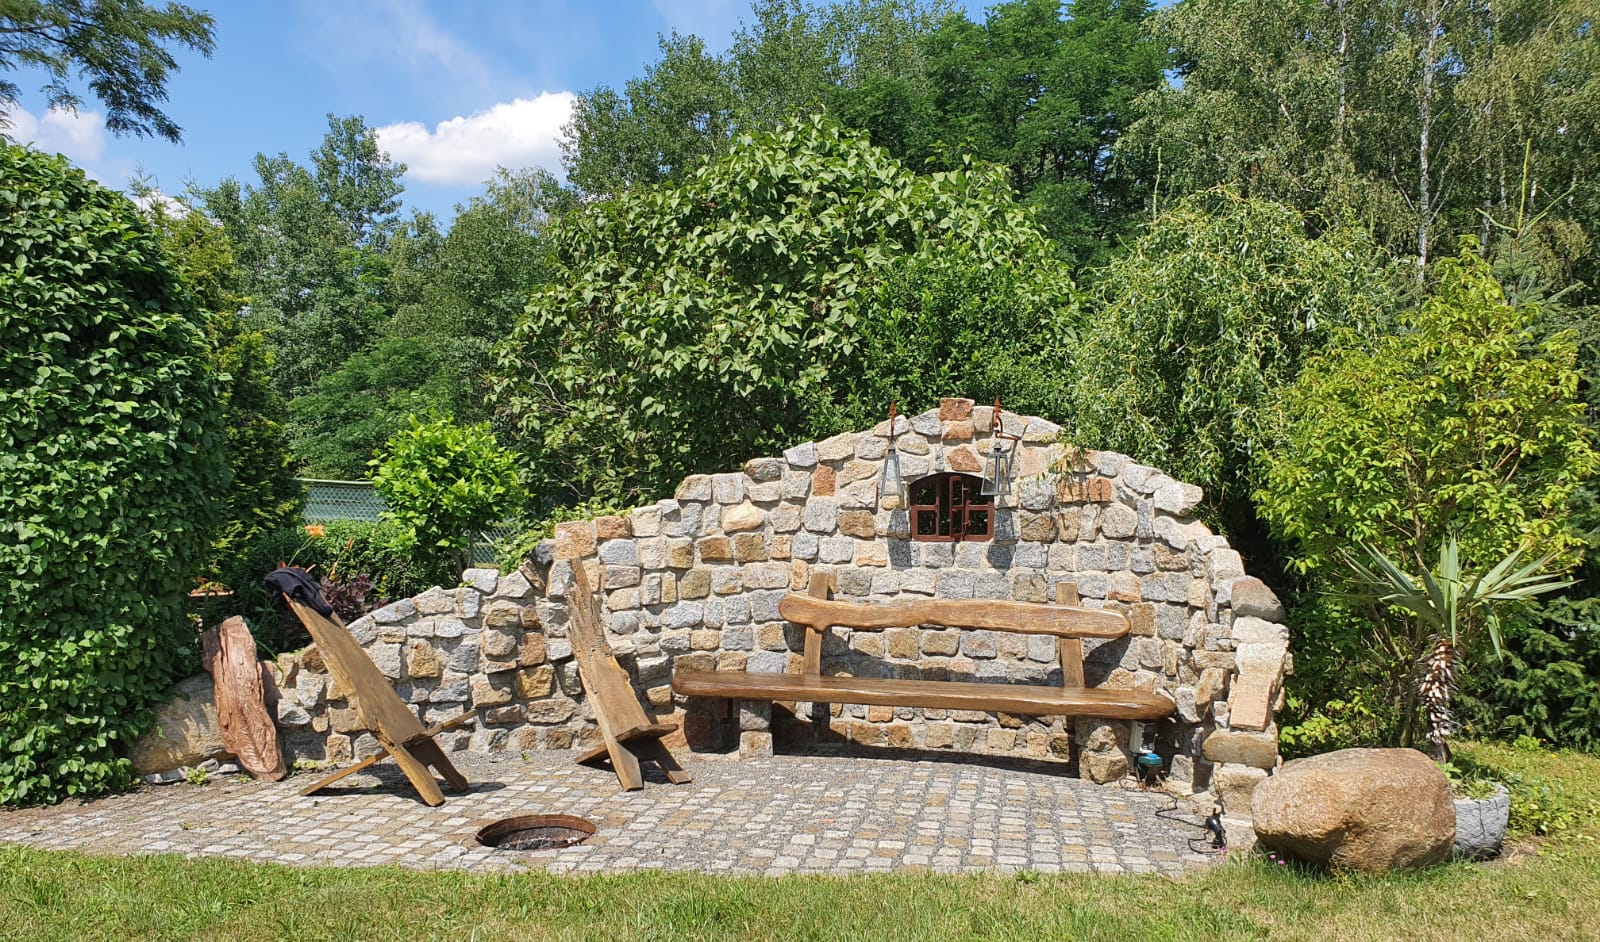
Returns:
point(817, 613)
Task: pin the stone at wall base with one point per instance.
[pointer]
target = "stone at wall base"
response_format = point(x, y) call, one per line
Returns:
point(1235, 785)
point(1239, 832)
point(186, 732)
point(755, 745)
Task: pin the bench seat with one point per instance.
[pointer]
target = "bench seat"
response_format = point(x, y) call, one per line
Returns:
point(1023, 699)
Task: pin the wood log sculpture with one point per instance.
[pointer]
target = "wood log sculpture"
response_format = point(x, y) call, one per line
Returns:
point(240, 685)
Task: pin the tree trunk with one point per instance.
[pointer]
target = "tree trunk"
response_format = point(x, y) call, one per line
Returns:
point(1429, 63)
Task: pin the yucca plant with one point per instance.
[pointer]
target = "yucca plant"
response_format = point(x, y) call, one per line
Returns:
point(1451, 607)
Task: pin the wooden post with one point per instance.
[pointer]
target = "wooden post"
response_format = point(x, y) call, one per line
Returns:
point(818, 588)
point(1070, 649)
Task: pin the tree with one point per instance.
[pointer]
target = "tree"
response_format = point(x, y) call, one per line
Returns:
point(657, 128)
point(110, 483)
point(1413, 118)
point(263, 495)
point(1202, 324)
point(1048, 97)
point(862, 62)
point(697, 324)
point(310, 242)
point(455, 295)
point(120, 46)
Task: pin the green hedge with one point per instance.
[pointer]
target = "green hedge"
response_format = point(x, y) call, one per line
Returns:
point(111, 470)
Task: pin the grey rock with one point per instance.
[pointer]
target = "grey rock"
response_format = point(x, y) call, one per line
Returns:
point(484, 580)
point(1251, 598)
point(802, 456)
point(619, 553)
point(395, 612)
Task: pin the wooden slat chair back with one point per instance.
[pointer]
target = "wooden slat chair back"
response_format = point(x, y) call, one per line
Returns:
point(628, 733)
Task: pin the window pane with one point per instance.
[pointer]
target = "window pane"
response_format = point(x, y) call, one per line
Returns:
point(977, 522)
point(927, 522)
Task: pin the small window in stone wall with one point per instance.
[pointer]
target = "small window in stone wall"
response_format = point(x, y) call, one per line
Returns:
point(948, 508)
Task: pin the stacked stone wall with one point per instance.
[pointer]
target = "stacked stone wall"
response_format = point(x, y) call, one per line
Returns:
point(694, 582)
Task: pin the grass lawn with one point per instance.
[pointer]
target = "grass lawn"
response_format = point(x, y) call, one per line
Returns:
point(1548, 896)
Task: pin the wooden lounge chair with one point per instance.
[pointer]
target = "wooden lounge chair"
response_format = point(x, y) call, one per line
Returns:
point(380, 709)
point(628, 733)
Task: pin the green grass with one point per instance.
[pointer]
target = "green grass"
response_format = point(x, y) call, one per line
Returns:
point(1548, 897)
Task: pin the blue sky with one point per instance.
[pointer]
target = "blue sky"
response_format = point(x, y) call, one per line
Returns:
point(454, 88)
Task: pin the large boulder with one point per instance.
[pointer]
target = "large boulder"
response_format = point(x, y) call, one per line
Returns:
point(1358, 809)
point(186, 732)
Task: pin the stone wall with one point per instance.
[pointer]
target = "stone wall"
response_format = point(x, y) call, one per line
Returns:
point(695, 581)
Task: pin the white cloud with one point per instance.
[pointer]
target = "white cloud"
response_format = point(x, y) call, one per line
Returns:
point(354, 36)
point(515, 134)
point(171, 205)
point(80, 135)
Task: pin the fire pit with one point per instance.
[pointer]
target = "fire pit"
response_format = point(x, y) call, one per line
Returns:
point(536, 832)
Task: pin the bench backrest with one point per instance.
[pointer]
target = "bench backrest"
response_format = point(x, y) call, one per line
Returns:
point(1067, 622)
point(1021, 617)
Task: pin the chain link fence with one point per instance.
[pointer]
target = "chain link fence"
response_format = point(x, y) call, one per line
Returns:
point(358, 500)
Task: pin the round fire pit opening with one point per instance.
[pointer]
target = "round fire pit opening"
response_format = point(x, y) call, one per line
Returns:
point(536, 832)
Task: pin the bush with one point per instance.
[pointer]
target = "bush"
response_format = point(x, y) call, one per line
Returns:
point(1464, 421)
point(339, 550)
point(111, 467)
point(442, 481)
point(1547, 686)
point(1201, 325)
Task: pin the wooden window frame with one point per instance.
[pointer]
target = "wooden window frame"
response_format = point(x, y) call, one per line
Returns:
point(958, 507)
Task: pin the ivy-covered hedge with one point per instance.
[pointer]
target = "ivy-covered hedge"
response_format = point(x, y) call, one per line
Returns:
point(111, 465)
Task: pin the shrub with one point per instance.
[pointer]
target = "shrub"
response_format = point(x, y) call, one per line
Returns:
point(1203, 322)
point(1547, 685)
point(441, 481)
point(703, 322)
point(340, 550)
point(1463, 421)
point(111, 466)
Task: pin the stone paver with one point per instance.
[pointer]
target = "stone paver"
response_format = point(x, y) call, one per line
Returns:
point(773, 815)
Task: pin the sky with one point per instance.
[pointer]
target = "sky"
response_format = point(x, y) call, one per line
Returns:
point(454, 89)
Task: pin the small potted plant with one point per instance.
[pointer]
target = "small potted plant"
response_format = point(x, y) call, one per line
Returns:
point(1483, 811)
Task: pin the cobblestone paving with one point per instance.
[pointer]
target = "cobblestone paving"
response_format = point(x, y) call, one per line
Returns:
point(778, 815)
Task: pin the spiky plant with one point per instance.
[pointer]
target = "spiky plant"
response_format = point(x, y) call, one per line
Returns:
point(1450, 607)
